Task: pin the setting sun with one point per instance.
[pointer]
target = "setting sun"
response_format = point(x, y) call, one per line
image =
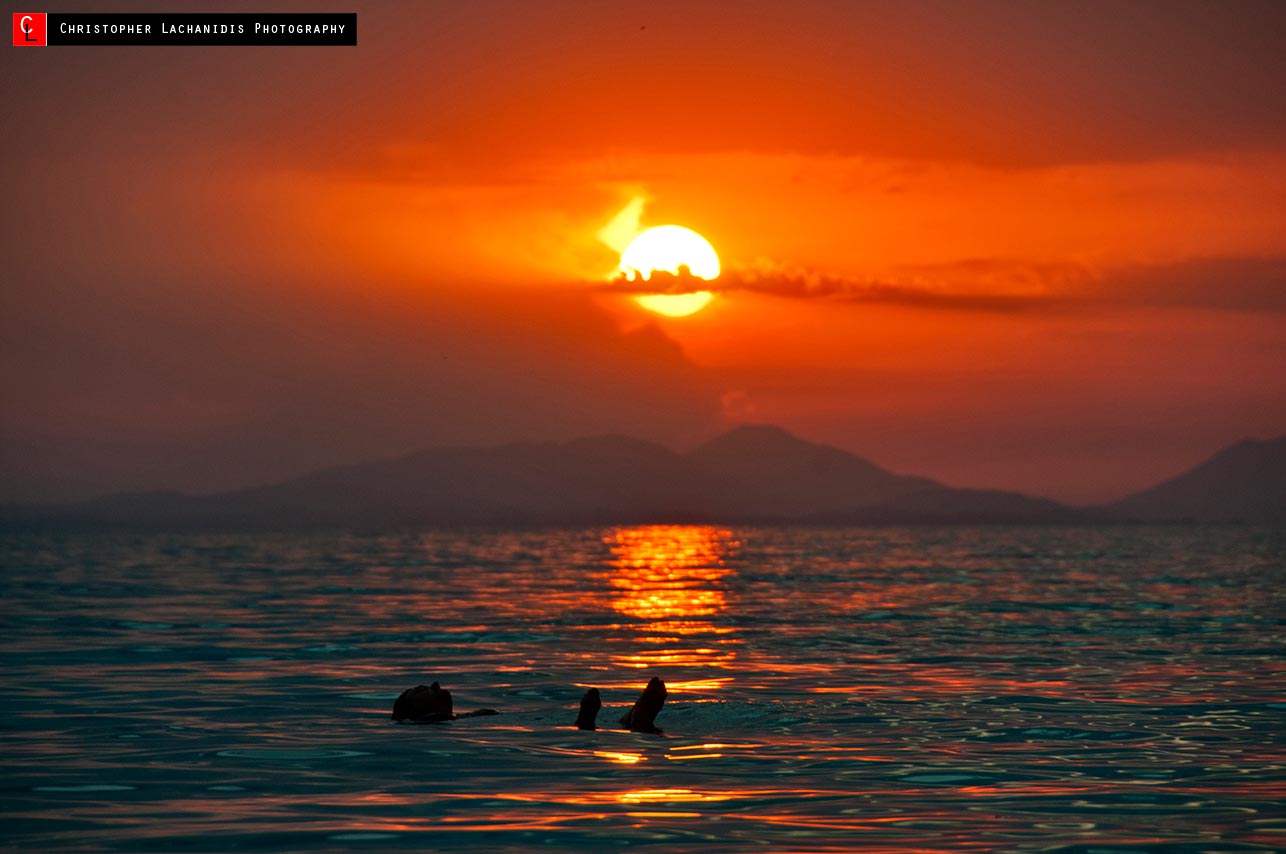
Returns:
point(675, 250)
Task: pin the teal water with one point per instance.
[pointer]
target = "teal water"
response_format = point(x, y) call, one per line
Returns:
point(991, 689)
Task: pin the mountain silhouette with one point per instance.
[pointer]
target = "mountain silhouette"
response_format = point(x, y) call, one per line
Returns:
point(1245, 482)
point(767, 472)
point(749, 474)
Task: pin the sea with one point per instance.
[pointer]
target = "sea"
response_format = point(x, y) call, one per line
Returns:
point(1068, 689)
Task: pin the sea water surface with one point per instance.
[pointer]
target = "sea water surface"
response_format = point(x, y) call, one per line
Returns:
point(901, 689)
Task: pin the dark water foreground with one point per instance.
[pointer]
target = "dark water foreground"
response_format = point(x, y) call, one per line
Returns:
point(898, 689)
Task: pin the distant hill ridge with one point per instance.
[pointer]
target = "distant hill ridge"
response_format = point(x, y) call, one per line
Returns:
point(1245, 482)
point(749, 474)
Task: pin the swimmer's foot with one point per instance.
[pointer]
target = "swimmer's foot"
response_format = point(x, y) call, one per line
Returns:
point(589, 706)
point(642, 718)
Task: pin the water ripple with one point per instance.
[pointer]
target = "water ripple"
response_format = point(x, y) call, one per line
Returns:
point(1025, 689)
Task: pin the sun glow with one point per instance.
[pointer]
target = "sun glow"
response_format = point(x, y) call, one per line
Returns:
point(679, 252)
point(675, 305)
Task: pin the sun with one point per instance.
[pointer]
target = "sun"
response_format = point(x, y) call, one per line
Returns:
point(670, 249)
point(667, 248)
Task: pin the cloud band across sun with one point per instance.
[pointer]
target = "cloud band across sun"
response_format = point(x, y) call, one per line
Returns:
point(1005, 285)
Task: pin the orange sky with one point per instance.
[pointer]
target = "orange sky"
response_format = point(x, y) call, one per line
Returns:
point(1002, 244)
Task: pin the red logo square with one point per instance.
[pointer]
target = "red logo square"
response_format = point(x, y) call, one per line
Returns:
point(30, 29)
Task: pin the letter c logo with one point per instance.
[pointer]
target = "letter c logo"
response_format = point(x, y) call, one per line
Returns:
point(28, 29)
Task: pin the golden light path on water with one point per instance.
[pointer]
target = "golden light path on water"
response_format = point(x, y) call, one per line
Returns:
point(672, 577)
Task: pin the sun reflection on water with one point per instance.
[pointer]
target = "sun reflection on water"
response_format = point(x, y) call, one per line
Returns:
point(666, 796)
point(621, 758)
point(671, 577)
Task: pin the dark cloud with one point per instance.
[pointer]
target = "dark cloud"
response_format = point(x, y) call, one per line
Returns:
point(802, 284)
point(998, 285)
point(1228, 284)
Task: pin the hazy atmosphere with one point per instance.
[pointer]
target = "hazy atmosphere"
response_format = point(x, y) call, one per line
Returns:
point(1001, 245)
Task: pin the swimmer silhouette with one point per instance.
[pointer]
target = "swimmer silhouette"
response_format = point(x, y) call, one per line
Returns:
point(427, 703)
